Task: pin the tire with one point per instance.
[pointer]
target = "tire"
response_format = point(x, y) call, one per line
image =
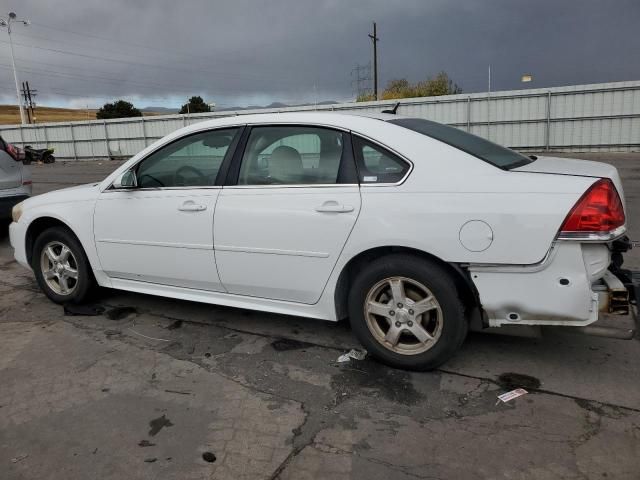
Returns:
point(78, 288)
point(378, 321)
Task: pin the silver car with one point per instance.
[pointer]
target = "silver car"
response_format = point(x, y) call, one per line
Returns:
point(15, 179)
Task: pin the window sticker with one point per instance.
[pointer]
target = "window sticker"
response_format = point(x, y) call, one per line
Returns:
point(369, 178)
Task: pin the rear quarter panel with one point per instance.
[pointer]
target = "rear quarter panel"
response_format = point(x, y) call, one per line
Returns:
point(448, 188)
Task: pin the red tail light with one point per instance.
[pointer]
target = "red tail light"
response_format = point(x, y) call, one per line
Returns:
point(14, 152)
point(599, 210)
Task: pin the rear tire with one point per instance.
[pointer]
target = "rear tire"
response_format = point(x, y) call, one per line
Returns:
point(406, 312)
point(61, 267)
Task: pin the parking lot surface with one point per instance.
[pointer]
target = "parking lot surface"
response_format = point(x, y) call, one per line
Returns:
point(146, 387)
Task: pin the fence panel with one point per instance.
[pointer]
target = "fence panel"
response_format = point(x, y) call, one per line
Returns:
point(598, 117)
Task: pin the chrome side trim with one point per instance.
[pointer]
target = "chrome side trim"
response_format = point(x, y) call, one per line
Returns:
point(597, 237)
point(270, 251)
point(289, 185)
point(515, 268)
point(161, 189)
point(196, 246)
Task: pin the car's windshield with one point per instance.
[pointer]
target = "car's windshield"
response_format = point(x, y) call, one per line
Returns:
point(490, 152)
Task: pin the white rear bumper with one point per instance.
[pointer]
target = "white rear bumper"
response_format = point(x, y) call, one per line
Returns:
point(557, 291)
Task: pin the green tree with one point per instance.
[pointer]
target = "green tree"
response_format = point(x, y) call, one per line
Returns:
point(441, 84)
point(118, 109)
point(195, 105)
point(365, 97)
point(398, 88)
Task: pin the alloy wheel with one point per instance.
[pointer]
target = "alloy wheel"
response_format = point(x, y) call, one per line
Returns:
point(59, 268)
point(403, 315)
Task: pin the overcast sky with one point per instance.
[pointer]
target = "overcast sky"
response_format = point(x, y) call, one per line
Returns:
point(242, 52)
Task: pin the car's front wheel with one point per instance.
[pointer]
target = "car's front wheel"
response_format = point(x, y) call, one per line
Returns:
point(61, 266)
point(406, 312)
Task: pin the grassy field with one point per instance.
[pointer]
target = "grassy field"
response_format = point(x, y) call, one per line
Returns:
point(9, 114)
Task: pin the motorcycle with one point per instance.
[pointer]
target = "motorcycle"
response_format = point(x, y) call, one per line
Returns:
point(44, 155)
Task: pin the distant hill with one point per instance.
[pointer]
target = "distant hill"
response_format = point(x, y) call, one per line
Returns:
point(10, 115)
point(275, 105)
point(160, 110)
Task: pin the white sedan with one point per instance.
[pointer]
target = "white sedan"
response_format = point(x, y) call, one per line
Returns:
point(412, 229)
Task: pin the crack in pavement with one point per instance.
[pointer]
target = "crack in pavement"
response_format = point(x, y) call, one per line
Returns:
point(330, 449)
point(441, 370)
point(544, 391)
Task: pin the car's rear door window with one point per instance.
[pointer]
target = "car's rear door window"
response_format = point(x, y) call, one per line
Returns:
point(294, 155)
point(377, 164)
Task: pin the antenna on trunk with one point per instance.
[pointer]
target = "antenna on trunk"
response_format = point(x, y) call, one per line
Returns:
point(393, 110)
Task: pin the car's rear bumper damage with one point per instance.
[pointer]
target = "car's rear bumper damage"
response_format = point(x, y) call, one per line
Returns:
point(574, 286)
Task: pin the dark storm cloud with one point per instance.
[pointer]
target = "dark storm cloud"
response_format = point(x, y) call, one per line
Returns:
point(243, 52)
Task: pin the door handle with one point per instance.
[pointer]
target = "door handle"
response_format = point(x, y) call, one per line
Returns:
point(191, 206)
point(334, 207)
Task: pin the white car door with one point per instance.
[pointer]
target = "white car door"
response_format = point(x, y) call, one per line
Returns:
point(280, 229)
point(161, 231)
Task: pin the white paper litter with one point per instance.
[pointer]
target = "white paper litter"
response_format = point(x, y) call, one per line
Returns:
point(505, 397)
point(352, 354)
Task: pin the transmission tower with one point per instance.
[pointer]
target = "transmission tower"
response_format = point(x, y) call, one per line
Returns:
point(361, 79)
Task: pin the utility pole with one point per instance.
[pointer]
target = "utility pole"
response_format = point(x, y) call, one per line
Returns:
point(26, 101)
point(374, 38)
point(29, 96)
point(32, 103)
point(6, 22)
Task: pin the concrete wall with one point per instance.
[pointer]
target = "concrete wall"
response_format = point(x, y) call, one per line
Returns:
point(581, 118)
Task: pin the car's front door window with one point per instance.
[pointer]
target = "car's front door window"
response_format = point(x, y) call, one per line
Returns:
point(292, 155)
point(193, 161)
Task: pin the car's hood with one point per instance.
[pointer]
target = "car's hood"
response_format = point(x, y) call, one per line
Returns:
point(77, 193)
point(571, 166)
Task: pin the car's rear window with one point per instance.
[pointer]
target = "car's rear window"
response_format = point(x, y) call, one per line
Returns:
point(490, 152)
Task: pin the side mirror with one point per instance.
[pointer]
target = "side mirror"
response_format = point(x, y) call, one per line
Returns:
point(126, 180)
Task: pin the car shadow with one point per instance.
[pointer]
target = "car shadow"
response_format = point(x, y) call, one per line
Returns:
point(558, 361)
point(4, 230)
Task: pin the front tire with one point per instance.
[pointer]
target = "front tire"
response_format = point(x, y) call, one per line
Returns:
point(406, 312)
point(61, 267)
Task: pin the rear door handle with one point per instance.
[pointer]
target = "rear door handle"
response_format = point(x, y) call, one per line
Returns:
point(334, 207)
point(191, 206)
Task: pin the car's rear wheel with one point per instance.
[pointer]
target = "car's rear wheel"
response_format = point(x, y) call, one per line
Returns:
point(61, 266)
point(406, 312)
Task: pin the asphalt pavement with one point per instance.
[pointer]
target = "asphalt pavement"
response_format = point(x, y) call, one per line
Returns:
point(145, 387)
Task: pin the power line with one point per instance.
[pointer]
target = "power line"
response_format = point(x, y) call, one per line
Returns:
point(109, 80)
point(93, 49)
point(141, 64)
point(129, 44)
